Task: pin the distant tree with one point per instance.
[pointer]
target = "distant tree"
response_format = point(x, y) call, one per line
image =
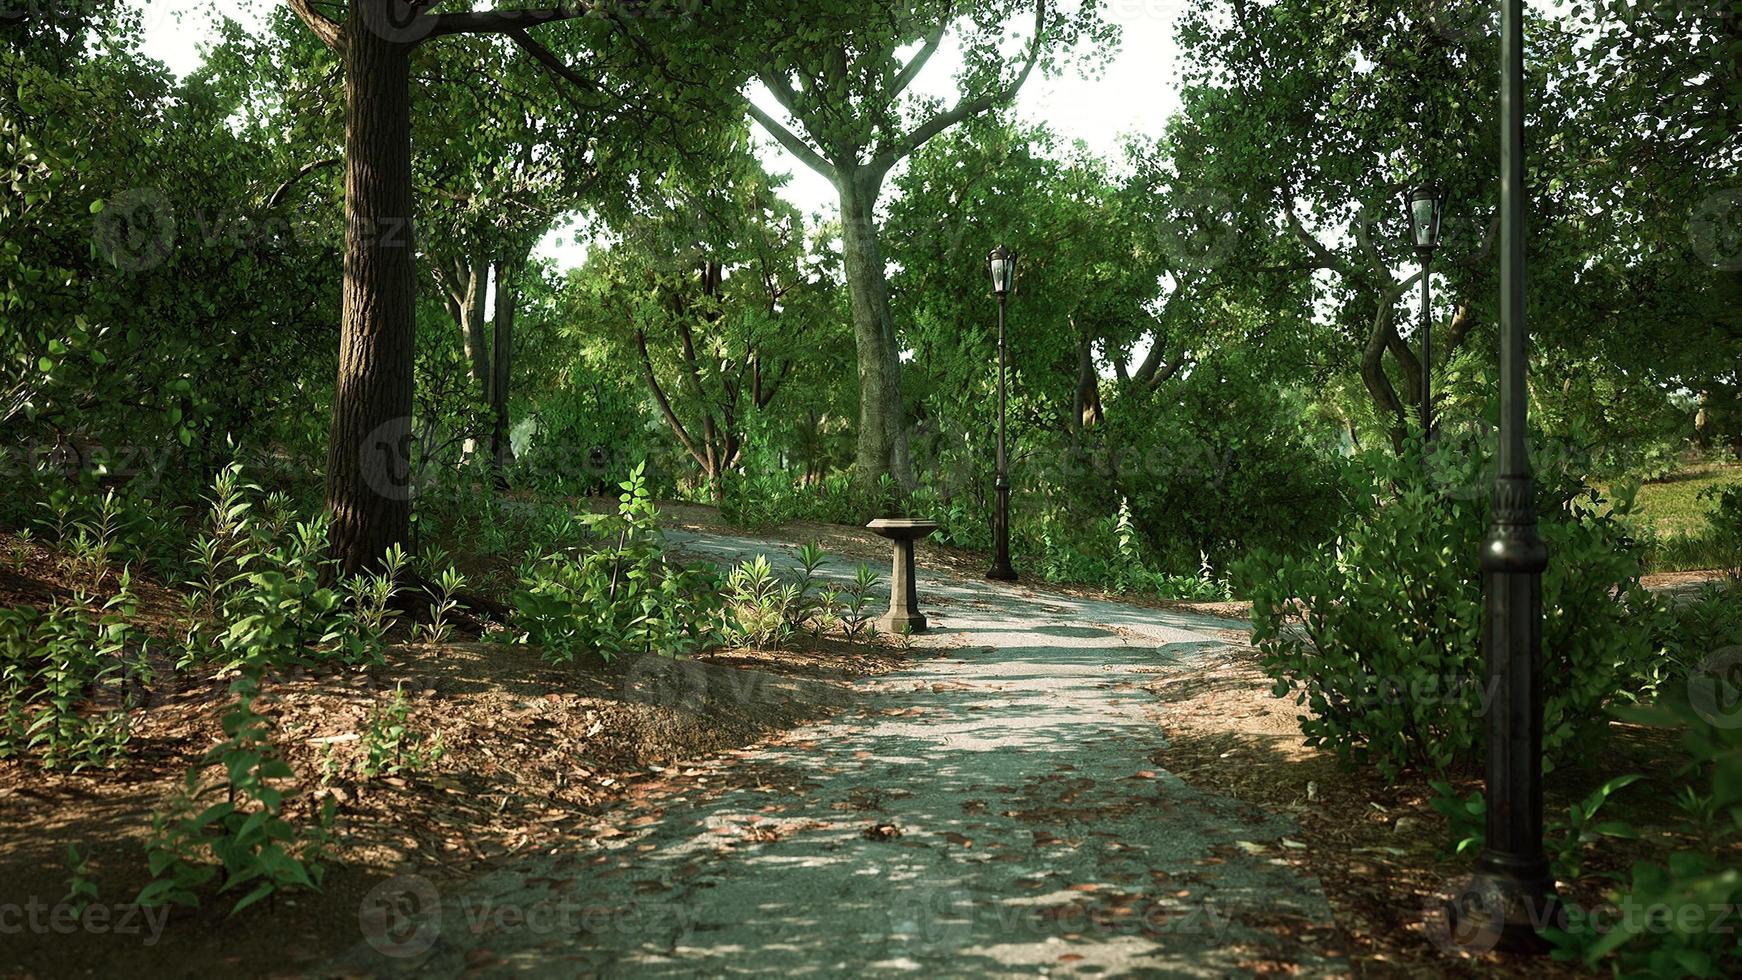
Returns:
point(838, 70)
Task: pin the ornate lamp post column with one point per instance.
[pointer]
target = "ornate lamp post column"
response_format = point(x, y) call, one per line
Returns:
point(1513, 891)
point(1427, 208)
point(1002, 264)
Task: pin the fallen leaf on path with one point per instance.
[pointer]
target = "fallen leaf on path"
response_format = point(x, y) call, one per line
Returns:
point(882, 831)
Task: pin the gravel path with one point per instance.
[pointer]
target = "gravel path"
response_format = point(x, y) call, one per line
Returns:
point(1000, 809)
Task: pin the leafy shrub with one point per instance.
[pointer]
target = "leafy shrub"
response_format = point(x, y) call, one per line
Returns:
point(1379, 637)
point(1677, 918)
point(767, 498)
point(259, 595)
point(1109, 553)
point(761, 609)
point(1692, 630)
point(230, 817)
point(52, 667)
point(765, 609)
point(619, 595)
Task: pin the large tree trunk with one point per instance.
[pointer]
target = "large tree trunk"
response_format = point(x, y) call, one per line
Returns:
point(368, 463)
point(883, 437)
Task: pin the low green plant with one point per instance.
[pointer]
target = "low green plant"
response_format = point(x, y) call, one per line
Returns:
point(443, 604)
point(1568, 842)
point(855, 613)
point(1690, 630)
point(19, 554)
point(260, 595)
point(1725, 526)
point(620, 595)
point(56, 668)
point(81, 883)
point(229, 819)
point(391, 745)
point(1676, 918)
point(760, 608)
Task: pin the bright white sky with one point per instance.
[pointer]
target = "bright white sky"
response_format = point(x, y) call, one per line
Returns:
point(1135, 94)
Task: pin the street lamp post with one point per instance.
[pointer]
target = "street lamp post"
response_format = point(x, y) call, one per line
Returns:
point(1513, 891)
point(1002, 265)
point(1427, 208)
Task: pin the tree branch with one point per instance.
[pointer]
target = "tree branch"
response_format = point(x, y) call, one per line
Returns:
point(277, 197)
point(671, 419)
point(794, 145)
point(920, 135)
point(917, 64)
point(1326, 259)
point(505, 21)
point(327, 29)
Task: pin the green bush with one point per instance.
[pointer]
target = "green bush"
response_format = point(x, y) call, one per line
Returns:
point(618, 593)
point(1378, 638)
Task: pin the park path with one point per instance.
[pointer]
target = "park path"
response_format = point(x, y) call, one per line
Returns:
point(1001, 808)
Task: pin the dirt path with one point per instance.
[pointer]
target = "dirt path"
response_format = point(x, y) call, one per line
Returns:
point(1001, 809)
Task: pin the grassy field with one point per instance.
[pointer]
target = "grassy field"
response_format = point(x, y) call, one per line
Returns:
point(1671, 507)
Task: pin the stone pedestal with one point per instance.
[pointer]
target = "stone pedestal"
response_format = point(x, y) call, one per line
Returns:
point(904, 614)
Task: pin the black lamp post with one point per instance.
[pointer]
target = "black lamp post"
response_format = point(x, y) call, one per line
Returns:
point(1513, 890)
point(1427, 207)
point(1002, 264)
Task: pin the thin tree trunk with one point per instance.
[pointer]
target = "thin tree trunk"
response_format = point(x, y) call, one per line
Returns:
point(507, 296)
point(472, 324)
point(368, 466)
point(883, 437)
